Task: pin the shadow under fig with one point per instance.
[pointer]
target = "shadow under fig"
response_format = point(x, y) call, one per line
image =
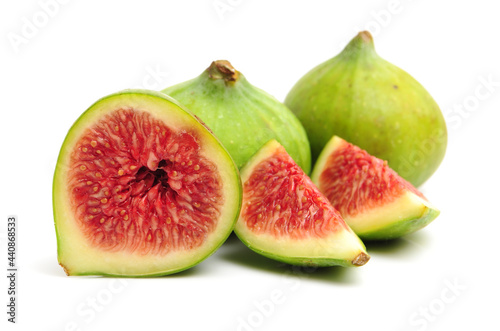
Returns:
point(50, 267)
point(399, 247)
point(236, 252)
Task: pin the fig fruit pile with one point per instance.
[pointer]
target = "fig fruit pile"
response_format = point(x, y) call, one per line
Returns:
point(151, 183)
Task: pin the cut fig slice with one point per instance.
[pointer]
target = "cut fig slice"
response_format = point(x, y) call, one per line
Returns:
point(371, 197)
point(284, 216)
point(141, 188)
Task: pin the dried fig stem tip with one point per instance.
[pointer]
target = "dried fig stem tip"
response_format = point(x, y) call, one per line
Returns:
point(222, 69)
point(361, 259)
point(65, 270)
point(366, 36)
point(360, 47)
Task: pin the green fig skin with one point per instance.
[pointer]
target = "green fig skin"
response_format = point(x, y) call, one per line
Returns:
point(242, 116)
point(371, 103)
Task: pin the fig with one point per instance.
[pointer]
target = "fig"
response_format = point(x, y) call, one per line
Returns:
point(375, 105)
point(285, 217)
point(141, 188)
point(242, 116)
point(371, 197)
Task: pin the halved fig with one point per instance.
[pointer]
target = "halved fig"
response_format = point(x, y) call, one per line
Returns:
point(286, 218)
point(141, 188)
point(373, 199)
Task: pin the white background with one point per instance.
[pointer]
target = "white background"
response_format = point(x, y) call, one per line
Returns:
point(88, 49)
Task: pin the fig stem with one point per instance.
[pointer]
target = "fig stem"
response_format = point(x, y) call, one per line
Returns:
point(359, 45)
point(361, 259)
point(366, 36)
point(222, 69)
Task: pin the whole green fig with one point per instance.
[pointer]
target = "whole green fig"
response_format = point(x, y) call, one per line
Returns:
point(371, 103)
point(242, 116)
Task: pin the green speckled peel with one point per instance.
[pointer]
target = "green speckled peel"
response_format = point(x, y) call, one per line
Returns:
point(242, 116)
point(371, 103)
